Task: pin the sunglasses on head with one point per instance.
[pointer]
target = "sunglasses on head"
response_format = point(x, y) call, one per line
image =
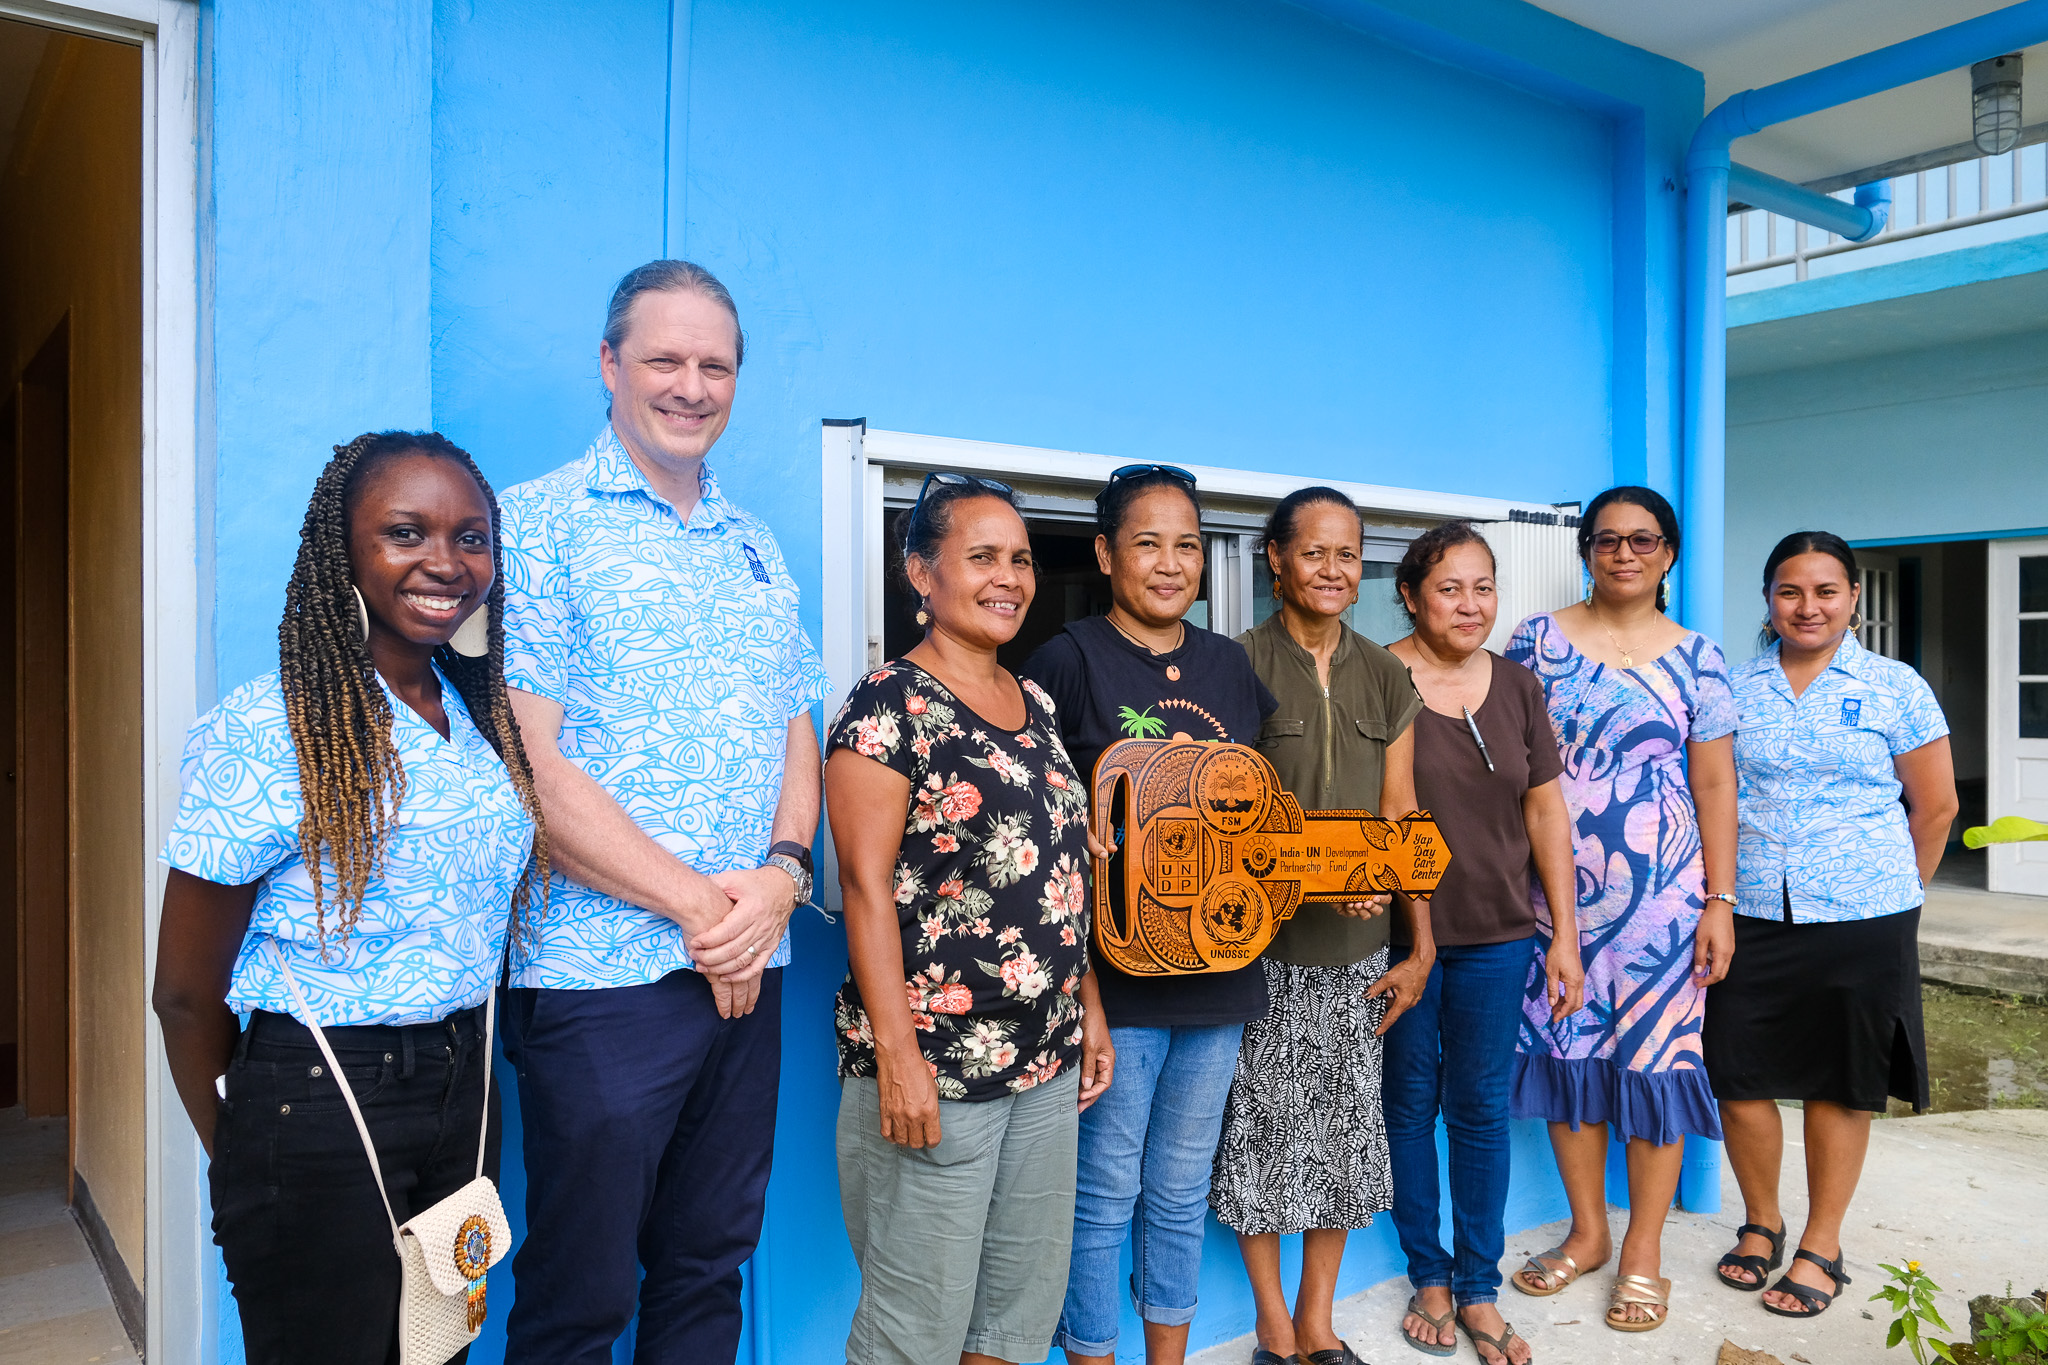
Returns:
point(947, 478)
point(1136, 471)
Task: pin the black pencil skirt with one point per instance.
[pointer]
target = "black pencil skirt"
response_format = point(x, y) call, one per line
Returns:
point(1820, 1012)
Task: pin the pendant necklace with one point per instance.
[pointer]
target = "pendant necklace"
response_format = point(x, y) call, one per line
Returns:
point(1627, 655)
point(1172, 670)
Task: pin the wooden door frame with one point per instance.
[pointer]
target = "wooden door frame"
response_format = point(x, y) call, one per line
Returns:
point(180, 1264)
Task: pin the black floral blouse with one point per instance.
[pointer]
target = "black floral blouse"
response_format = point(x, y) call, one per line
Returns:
point(991, 885)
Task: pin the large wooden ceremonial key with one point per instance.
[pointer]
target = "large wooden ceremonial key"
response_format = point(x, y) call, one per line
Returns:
point(1216, 855)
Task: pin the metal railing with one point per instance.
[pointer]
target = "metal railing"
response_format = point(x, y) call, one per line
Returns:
point(1961, 194)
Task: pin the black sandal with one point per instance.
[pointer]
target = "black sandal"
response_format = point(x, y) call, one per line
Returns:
point(1816, 1300)
point(1755, 1265)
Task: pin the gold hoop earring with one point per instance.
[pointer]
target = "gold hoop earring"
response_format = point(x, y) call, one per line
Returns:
point(362, 613)
point(1855, 620)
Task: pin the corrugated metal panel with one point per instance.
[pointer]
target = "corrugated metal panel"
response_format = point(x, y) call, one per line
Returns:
point(1536, 569)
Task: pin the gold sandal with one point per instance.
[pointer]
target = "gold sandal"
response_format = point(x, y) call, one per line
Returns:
point(1643, 1291)
point(1554, 1280)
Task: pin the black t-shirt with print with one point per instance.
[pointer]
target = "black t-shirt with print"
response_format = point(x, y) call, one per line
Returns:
point(1107, 688)
point(991, 885)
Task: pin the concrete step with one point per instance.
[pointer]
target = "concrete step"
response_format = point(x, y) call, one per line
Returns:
point(1985, 941)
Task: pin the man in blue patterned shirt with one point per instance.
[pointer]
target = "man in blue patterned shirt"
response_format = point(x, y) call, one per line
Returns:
point(663, 688)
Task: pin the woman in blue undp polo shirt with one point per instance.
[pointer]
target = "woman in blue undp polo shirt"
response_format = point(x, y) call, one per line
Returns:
point(365, 814)
point(1822, 999)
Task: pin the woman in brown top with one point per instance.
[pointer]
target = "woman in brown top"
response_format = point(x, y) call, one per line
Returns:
point(1487, 766)
point(1304, 1148)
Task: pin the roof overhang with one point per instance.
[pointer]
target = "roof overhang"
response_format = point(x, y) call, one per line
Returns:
point(1743, 44)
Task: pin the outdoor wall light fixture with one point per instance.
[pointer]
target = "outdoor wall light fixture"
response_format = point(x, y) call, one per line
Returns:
point(1995, 103)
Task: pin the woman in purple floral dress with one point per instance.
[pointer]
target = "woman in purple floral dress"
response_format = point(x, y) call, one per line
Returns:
point(1644, 718)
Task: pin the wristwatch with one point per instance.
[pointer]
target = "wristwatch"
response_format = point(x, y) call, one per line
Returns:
point(793, 858)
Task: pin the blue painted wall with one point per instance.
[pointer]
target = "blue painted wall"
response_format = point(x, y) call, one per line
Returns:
point(319, 229)
point(1244, 234)
point(1838, 446)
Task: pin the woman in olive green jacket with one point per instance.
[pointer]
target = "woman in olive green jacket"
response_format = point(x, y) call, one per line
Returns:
point(1304, 1144)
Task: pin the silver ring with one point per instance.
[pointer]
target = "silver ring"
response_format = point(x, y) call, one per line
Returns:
point(750, 950)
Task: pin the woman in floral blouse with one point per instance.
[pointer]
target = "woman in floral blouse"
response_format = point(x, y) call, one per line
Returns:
point(970, 1034)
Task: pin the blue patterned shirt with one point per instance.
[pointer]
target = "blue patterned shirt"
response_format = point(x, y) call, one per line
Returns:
point(431, 937)
point(1817, 796)
point(674, 650)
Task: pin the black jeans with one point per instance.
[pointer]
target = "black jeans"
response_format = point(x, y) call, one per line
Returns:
point(295, 1209)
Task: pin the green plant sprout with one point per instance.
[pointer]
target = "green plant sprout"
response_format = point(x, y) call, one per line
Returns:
point(2014, 1334)
point(1911, 1295)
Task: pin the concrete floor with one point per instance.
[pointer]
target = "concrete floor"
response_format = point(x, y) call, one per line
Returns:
point(1964, 1194)
point(54, 1307)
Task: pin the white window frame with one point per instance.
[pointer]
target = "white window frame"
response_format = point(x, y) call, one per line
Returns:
point(180, 1294)
point(854, 464)
point(1879, 604)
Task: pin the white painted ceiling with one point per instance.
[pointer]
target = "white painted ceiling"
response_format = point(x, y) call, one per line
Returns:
point(1742, 44)
point(21, 51)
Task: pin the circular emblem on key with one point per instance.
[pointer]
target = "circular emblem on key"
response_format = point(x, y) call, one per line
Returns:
point(1230, 791)
point(1232, 911)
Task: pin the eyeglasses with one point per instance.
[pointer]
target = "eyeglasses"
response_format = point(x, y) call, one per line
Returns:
point(950, 479)
point(1642, 542)
point(1138, 471)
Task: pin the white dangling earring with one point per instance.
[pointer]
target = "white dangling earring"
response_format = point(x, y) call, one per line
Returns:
point(472, 639)
point(362, 613)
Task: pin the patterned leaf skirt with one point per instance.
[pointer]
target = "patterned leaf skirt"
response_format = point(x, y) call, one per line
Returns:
point(1304, 1140)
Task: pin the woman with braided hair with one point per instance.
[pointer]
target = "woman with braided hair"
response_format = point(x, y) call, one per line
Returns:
point(359, 834)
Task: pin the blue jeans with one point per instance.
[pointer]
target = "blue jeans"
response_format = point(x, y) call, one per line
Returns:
point(1454, 1051)
point(1147, 1146)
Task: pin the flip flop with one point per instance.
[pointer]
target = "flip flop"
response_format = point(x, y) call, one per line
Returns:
point(1430, 1348)
point(1816, 1301)
point(1500, 1343)
point(1554, 1280)
point(1755, 1265)
point(1640, 1289)
point(1262, 1356)
point(1340, 1354)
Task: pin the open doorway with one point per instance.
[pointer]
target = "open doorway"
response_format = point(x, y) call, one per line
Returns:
point(73, 864)
point(34, 726)
point(1924, 604)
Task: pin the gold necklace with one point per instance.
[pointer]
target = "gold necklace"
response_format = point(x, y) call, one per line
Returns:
point(1172, 670)
point(1627, 655)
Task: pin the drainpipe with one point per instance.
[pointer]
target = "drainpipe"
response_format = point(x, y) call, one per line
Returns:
point(1707, 172)
point(1858, 221)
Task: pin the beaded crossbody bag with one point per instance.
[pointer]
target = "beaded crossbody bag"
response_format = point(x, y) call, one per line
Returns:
point(445, 1251)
